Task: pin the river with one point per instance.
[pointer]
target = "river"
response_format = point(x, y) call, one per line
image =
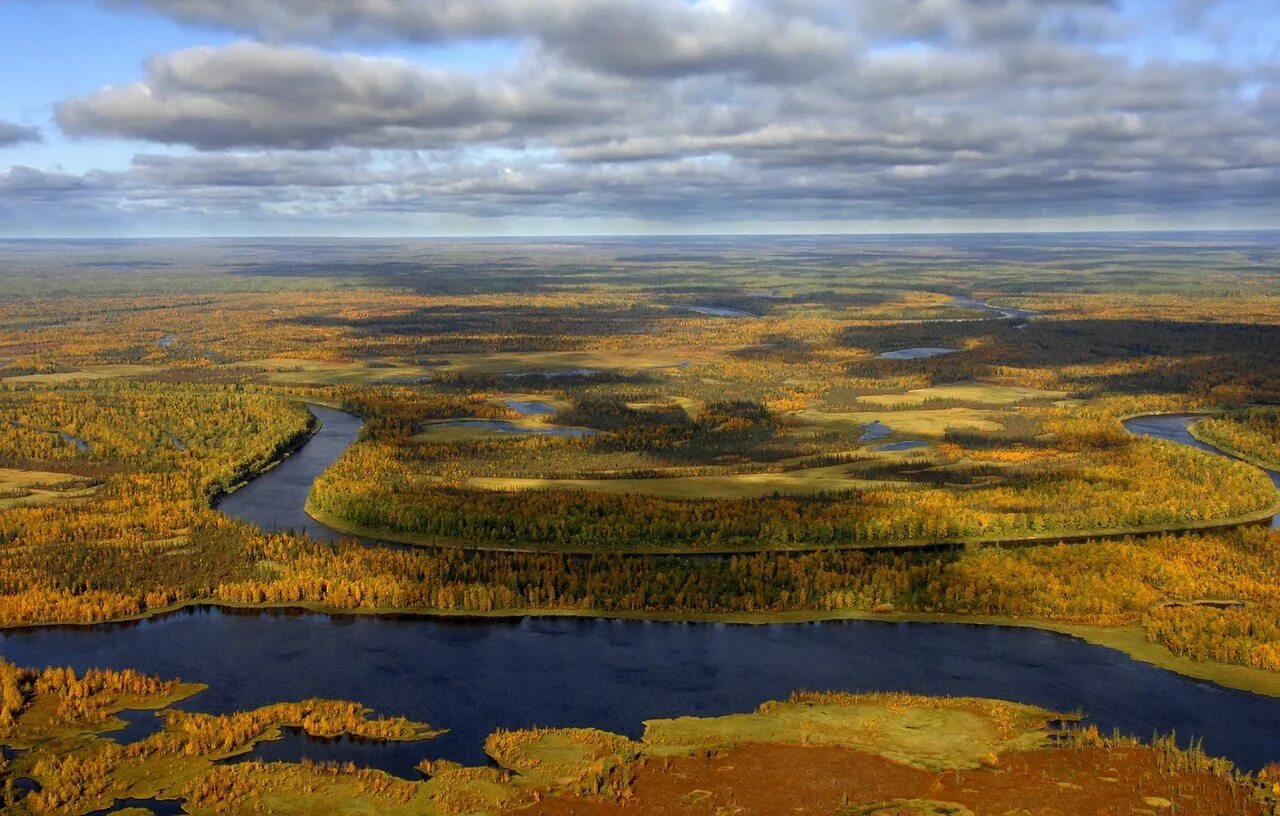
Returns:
point(473, 676)
point(476, 675)
point(1176, 428)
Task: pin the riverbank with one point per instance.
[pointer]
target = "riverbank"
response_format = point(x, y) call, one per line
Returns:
point(282, 454)
point(1256, 461)
point(374, 535)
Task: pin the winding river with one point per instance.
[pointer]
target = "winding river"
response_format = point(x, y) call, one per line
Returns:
point(275, 501)
point(475, 675)
point(1176, 428)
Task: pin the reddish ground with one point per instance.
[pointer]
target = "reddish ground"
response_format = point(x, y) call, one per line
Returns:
point(768, 780)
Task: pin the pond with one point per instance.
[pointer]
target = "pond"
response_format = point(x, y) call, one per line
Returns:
point(505, 427)
point(874, 430)
point(905, 445)
point(530, 407)
point(717, 311)
point(916, 353)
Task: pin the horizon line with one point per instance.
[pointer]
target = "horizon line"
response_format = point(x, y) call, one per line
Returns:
point(640, 235)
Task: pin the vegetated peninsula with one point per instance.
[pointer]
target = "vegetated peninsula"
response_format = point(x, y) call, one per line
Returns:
point(836, 753)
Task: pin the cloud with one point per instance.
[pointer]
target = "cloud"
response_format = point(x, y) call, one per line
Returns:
point(11, 134)
point(979, 109)
point(254, 95)
point(626, 37)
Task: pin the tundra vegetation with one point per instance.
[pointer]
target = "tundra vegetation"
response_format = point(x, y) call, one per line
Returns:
point(763, 424)
point(963, 751)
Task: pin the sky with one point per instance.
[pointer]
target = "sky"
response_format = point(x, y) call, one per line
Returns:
point(578, 117)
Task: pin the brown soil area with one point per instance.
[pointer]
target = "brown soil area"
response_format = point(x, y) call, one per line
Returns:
point(767, 780)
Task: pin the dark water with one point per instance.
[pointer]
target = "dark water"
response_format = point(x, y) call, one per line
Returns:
point(875, 430)
point(479, 675)
point(158, 807)
point(567, 373)
point(1007, 312)
point(531, 407)
point(474, 676)
point(910, 444)
point(718, 311)
point(139, 726)
point(1174, 427)
point(275, 501)
point(916, 353)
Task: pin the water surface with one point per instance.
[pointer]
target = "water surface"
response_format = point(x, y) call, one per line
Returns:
point(875, 430)
point(1007, 312)
point(474, 676)
point(531, 407)
point(916, 353)
point(1176, 428)
point(718, 311)
point(906, 445)
point(506, 427)
point(478, 675)
point(275, 501)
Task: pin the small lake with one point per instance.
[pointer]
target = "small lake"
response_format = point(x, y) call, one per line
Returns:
point(567, 373)
point(916, 353)
point(717, 311)
point(875, 430)
point(530, 407)
point(505, 427)
point(474, 676)
point(910, 444)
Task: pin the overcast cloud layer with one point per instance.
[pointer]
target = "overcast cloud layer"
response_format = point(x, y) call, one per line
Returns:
point(673, 113)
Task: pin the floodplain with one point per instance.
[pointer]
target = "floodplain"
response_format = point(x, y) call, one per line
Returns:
point(706, 429)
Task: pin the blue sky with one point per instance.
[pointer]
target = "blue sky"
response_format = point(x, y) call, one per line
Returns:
point(418, 117)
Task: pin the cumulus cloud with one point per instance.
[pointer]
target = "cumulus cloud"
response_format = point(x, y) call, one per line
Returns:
point(255, 95)
point(627, 37)
point(683, 110)
point(11, 134)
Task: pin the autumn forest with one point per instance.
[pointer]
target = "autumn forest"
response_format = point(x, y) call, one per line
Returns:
point(1079, 438)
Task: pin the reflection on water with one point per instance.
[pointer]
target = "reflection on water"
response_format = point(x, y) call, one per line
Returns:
point(474, 676)
point(531, 407)
point(717, 311)
point(875, 430)
point(276, 500)
point(506, 427)
point(910, 444)
point(916, 353)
